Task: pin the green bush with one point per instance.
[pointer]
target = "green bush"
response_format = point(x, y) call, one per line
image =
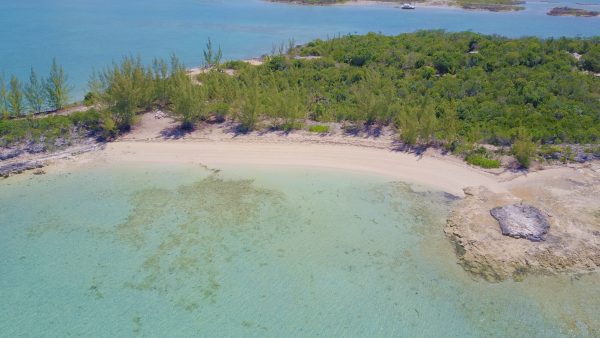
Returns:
point(237, 65)
point(482, 161)
point(220, 111)
point(591, 60)
point(48, 128)
point(550, 151)
point(277, 63)
point(89, 120)
point(319, 129)
point(289, 126)
point(524, 148)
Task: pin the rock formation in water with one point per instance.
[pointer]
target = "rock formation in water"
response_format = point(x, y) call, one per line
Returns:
point(566, 216)
point(521, 221)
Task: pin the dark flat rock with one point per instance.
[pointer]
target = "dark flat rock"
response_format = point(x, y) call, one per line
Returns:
point(19, 167)
point(9, 153)
point(521, 221)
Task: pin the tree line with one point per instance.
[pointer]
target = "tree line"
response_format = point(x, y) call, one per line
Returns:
point(35, 96)
point(450, 89)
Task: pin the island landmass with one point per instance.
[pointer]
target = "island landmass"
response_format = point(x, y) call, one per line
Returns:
point(569, 11)
point(455, 111)
point(487, 5)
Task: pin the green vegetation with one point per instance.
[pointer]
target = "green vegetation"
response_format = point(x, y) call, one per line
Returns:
point(321, 129)
point(18, 99)
point(479, 156)
point(15, 97)
point(34, 93)
point(569, 11)
point(212, 58)
point(435, 88)
point(523, 148)
point(57, 89)
point(48, 129)
point(482, 161)
point(491, 5)
point(591, 60)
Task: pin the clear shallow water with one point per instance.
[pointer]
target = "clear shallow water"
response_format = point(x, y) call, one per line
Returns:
point(87, 35)
point(180, 251)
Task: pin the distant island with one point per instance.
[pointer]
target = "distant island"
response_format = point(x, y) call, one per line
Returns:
point(488, 5)
point(568, 11)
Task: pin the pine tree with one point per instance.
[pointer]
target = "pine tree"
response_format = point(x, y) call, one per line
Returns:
point(4, 114)
point(57, 89)
point(34, 93)
point(15, 97)
point(212, 58)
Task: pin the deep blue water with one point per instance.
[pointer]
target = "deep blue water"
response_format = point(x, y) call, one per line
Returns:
point(88, 34)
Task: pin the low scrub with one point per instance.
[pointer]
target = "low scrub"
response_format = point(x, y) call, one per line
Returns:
point(482, 161)
point(47, 129)
point(481, 157)
point(321, 129)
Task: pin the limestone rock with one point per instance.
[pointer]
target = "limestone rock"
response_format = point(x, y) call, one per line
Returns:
point(9, 153)
point(570, 246)
point(19, 167)
point(521, 221)
point(36, 148)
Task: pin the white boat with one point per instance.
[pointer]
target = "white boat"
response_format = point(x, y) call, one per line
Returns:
point(408, 6)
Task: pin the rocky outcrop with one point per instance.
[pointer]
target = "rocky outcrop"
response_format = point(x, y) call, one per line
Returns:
point(521, 221)
point(7, 154)
point(569, 226)
point(19, 167)
point(16, 161)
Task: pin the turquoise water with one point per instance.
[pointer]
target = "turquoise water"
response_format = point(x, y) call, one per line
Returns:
point(88, 34)
point(161, 250)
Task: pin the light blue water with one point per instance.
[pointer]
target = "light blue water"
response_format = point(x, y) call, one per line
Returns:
point(88, 34)
point(162, 251)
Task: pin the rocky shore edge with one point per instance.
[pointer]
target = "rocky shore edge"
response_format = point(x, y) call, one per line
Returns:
point(17, 161)
point(568, 243)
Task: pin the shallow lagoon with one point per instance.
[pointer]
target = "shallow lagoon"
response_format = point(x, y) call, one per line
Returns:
point(161, 250)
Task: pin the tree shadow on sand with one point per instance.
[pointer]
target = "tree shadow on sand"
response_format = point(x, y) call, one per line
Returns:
point(175, 133)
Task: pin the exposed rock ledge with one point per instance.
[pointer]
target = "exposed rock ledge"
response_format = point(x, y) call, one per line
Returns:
point(24, 161)
point(572, 244)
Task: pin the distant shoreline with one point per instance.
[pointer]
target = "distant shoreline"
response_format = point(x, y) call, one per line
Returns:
point(446, 4)
point(568, 11)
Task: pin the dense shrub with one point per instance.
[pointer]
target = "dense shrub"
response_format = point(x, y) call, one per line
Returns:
point(319, 129)
point(482, 161)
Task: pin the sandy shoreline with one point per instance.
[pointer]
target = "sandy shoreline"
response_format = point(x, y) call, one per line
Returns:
point(215, 145)
point(427, 171)
point(155, 140)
